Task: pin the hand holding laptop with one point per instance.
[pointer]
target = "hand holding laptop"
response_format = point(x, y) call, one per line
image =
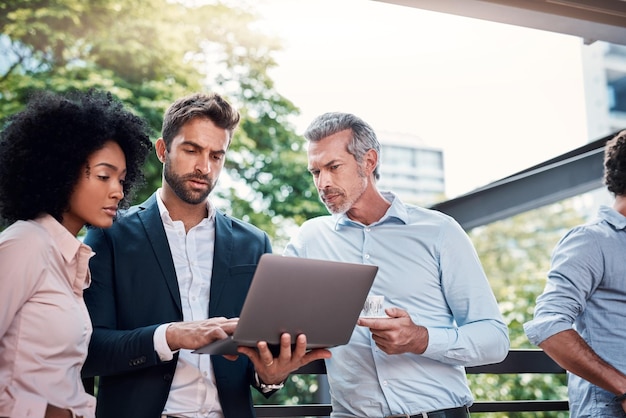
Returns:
point(275, 370)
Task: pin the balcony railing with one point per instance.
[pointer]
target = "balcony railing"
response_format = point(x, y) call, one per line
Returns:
point(517, 362)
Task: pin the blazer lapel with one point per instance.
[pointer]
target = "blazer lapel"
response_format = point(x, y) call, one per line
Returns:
point(153, 225)
point(221, 257)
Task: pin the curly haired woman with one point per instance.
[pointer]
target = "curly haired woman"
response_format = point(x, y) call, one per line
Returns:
point(66, 161)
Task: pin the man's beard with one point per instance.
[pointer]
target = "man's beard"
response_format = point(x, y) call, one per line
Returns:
point(182, 190)
point(345, 202)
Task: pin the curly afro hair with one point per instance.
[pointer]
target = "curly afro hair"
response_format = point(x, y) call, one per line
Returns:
point(615, 164)
point(44, 148)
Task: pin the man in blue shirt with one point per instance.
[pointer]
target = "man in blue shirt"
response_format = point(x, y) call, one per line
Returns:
point(579, 317)
point(442, 314)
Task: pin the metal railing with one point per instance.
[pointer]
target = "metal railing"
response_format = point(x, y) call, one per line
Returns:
point(516, 362)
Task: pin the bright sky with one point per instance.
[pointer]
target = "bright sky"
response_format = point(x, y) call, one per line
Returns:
point(496, 98)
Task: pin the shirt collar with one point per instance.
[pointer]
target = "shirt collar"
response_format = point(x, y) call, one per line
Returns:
point(71, 248)
point(396, 212)
point(165, 214)
point(67, 243)
point(612, 216)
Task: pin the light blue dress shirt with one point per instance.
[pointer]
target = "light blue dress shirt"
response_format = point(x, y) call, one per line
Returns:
point(586, 291)
point(428, 267)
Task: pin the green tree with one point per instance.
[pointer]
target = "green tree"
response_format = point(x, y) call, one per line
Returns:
point(147, 53)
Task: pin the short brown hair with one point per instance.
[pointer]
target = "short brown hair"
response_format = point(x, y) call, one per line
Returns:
point(210, 106)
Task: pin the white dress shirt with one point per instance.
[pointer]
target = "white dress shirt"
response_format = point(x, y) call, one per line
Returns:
point(193, 393)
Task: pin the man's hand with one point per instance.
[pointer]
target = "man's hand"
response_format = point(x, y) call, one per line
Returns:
point(397, 334)
point(275, 370)
point(195, 334)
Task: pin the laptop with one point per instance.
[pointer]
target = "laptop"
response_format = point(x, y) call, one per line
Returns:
point(319, 298)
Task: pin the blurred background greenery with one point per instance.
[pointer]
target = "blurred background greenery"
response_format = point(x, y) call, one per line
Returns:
point(150, 52)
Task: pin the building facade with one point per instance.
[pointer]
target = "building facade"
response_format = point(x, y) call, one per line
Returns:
point(411, 169)
point(604, 73)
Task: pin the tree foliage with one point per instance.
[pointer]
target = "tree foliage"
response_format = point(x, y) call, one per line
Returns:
point(150, 52)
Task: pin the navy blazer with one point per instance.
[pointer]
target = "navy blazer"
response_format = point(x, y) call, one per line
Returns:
point(134, 290)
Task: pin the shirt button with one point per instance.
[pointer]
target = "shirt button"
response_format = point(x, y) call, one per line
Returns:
point(367, 256)
point(384, 383)
point(367, 229)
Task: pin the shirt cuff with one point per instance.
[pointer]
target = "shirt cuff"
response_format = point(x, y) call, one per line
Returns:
point(160, 343)
point(438, 341)
point(541, 328)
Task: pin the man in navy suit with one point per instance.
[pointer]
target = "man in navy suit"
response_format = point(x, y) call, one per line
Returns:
point(166, 277)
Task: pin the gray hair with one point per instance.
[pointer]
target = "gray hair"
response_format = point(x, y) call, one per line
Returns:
point(363, 136)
